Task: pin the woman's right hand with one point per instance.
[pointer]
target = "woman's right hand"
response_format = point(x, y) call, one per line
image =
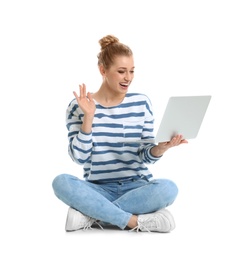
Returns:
point(85, 101)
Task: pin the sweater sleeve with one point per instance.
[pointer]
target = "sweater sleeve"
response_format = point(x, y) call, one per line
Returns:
point(148, 133)
point(80, 143)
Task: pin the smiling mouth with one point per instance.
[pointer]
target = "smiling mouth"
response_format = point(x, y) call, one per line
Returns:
point(124, 85)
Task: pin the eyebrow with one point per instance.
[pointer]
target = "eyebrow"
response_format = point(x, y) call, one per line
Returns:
point(125, 68)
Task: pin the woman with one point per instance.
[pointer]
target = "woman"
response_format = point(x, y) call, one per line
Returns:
point(117, 188)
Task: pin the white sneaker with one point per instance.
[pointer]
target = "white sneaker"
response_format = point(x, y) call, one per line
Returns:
point(159, 221)
point(76, 220)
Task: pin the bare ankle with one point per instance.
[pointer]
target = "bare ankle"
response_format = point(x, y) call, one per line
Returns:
point(133, 221)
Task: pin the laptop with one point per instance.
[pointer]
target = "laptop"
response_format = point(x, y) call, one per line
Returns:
point(182, 115)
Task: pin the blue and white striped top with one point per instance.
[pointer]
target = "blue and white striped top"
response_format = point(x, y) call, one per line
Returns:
point(103, 152)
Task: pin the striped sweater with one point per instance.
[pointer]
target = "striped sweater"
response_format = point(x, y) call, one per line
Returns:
point(103, 153)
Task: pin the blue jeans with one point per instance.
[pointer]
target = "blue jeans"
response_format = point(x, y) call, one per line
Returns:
point(114, 203)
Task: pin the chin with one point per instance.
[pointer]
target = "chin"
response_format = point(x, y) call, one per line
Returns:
point(124, 90)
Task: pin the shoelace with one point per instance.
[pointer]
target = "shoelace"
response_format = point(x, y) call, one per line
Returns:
point(90, 223)
point(142, 225)
point(98, 224)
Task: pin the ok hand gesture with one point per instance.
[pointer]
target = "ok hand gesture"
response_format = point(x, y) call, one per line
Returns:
point(85, 101)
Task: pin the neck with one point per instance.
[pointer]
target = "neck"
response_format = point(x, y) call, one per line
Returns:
point(106, 97)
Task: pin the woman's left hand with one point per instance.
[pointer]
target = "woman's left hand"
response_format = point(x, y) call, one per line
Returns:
point(159, 149)
point(175, 141)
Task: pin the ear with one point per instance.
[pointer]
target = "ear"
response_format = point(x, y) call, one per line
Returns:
point(102, 70)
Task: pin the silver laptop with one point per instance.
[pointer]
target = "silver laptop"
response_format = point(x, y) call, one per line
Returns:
point(183, 115)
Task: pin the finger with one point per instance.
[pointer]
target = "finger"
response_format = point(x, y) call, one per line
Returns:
point(175, 140)
point(89, 96)
point(75, 94)
point(178, 138)
point(84, 90)
point(81, 90)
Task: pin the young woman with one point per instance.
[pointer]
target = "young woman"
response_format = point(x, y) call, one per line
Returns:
point(117, 187)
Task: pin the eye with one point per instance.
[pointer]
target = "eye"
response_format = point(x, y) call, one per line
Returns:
point(132, 71)
point(121, 71)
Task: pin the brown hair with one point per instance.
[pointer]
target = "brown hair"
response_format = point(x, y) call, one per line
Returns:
point(110, 48)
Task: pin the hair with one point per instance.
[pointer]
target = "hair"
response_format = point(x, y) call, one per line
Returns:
point(110, 48)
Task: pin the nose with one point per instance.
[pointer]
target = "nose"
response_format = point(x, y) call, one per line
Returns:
point(128, 76)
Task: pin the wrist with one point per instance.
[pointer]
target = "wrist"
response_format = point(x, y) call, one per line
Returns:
point(87, 124)
point(157, 151)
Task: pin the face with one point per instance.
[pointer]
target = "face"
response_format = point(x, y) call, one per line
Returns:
point(120, 75)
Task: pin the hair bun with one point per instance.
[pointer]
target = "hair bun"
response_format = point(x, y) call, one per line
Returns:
point(107, 40)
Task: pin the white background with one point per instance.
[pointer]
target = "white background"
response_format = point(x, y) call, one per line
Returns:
point(48, 48)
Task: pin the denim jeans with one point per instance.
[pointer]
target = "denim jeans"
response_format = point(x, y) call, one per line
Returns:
point(114, 203)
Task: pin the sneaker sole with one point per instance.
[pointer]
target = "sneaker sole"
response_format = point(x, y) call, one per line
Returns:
point(170, 218)
point(70, 220)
